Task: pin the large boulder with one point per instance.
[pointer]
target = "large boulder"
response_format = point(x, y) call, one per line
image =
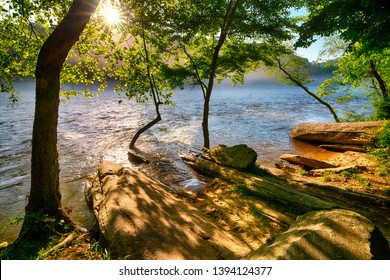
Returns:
point(327, 235)
point(240, 157)
point(351, 133)
point(140, 218)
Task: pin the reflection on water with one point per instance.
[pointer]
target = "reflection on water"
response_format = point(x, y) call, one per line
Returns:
point(259, 114)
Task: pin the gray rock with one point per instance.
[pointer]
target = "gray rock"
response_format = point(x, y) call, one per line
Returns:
point(328, 235)
point(239, 157)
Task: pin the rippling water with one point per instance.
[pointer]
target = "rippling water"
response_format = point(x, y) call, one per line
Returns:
point(259, 114)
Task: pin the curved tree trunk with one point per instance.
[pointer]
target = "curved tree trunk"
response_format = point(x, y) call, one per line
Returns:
point(155, 96)
point(145, 128)
point(299, 84)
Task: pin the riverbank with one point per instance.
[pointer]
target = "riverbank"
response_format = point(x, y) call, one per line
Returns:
point(236, 211)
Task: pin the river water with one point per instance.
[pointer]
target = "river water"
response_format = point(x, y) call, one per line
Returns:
point(259, 114)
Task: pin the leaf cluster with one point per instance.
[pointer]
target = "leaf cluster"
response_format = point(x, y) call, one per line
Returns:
point(358, 21)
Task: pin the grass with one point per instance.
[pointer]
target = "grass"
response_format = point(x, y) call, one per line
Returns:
point(327, 177)
point(355, 175)
point(382, 156)
point(386, 191)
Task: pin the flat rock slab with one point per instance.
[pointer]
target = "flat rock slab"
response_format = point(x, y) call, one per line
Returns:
point(141, 219)
point(308, 163)
point(328, 235)
point(344, 148)
point(351, 133)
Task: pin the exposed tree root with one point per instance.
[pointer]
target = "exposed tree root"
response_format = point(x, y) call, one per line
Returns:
point(64, 243)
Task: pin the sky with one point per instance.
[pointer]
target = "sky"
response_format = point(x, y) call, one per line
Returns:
point(313, 51)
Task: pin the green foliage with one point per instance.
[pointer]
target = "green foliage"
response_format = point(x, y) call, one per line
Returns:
point(98, 252)
point(360, 43)
point(381, 151)
point(327, 177)
point(355, 175)
point(248, 42)
point(386, 192)
point(36, 234)
point(383, 140)
point(365, 22)
point(355, 78)
point(303, 172)
point(24, 26)
point(296, 66)
point(382, 109)
point(141, 57)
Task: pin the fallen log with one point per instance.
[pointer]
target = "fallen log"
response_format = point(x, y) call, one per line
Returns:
point(308, 163)
point(276, 191)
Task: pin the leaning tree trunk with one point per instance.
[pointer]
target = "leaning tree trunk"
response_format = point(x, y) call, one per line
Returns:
point(299, 84)
point(45, 194)
point(155, 96)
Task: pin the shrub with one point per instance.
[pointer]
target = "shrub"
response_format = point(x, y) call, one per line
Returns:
point(382, 110)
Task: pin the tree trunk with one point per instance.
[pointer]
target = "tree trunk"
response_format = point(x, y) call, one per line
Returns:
point(43, 211)
point(145, 128)
point(155, 96)
point(229, 17)
point(45, 194)
point(299, 84)
point(381, 82)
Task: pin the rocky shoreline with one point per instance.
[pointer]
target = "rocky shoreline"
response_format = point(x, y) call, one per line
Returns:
point(243, 212)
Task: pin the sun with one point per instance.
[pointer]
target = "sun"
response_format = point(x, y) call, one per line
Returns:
point(111, 14)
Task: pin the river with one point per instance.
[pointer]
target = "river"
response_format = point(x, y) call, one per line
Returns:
point(259, 114)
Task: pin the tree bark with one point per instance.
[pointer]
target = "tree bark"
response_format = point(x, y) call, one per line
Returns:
point(229, 17)
point(155, 96)
point(270, 189)
point(381, 82)
point(45, 194)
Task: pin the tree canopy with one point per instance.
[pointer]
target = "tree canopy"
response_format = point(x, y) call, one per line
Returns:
point(357, 21)
point(225, 39)
point(363, 61)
